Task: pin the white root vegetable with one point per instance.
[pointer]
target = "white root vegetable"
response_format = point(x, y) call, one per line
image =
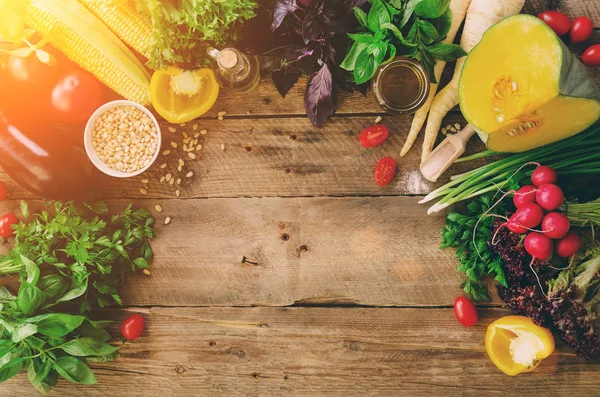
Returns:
point(481, 15)
point(459, 10)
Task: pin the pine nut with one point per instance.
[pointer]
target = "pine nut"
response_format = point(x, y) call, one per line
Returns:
point(166, 152)
point(167, 220)
point(378, 119)
point(146, 272)
point(178, 181)
point(189, 174)
point(145, 181)
point(158, 208)
point(172, 129)
point(174, 145)
point(143, 191)
point(177, 193)
point(204, 132)
point(192, 155)
point(163, 166)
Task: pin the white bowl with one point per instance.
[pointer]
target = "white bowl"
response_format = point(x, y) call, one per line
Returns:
point(93, 155)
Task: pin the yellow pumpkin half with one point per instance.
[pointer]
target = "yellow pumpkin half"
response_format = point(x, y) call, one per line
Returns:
point(521, 87)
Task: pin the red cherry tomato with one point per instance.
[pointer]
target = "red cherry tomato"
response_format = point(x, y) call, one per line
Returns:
point(591, 56)
point(581, 30)
point(557, 21)
point(373, 136)
point(3, 190)
point(76, 96)
point(465, 311)
point(6, 221)
point(133, 327)
point(385, 171)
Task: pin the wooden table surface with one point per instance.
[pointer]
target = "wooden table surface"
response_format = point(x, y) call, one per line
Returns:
point(287, 271)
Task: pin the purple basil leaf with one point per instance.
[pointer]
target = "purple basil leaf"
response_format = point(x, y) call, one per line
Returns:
point(285, 79)
point(318, 97)
point(307, 4)
point(311, 27)
point(282, 9)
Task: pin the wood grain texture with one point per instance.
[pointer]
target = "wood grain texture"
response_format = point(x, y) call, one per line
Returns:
point(317, 352)
point(276, 252)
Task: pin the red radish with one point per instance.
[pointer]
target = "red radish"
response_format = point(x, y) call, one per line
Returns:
point(542, 175)
point(549, 196)
point(555, 225)
point(539, 246)
point(568, 246)
point(515, 227)
point(529, 215)
point(524, 195)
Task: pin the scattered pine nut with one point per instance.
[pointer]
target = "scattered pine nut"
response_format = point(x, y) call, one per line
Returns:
point(194, 142)
point(181, 162)
point(146, 272)
point(198, 148)
point(444, 131)
point(145, 181)
point(174, 145)
point(185, 147)
point(178, 181)
point(172, 181)
point(169, 176)
point(453, 129)
point(167, 220)
point(182, 125)
point(220, 118)
point(143, 191)
point(221, 113)
point(192, 155)
point(222, 146)
point(204, 132)
point(187, 140)
point(449, 126)
point(189, 174)
point(185, 134)
point(378, 119)
point(177, 193)
point(172, 129)
point(162, 179)
point(158, 208)
point(457, 126)
point(197, 135)
point(163, 166)
point(195, 127)
point(166, 152)
point(180, 168)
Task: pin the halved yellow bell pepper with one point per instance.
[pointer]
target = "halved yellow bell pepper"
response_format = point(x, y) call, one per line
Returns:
point(182, 95)
point(516, 345)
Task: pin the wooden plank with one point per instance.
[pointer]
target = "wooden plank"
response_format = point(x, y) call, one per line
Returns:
point(282, 157)
point(317, 351)
point(279, 252)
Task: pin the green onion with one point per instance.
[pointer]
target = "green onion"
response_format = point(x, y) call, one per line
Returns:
point(577, 155)
point(583, 214)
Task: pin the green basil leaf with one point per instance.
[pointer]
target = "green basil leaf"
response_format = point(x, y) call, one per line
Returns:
point(431, 9)
point(11, 368)
point(35, 342)
point(83, 347)
point(59, 324)
point(104, 359)
point(350, 61)
point(446, 52)
point(443, 25)
point(53, 286)
point(365, 38)
point(378, 15)
point(398, 34)
point(141, 263)
point(100, 324)
point(38, 370)
point(361, 16)
point(29, 298)
point(33, 271)
point(392, 10)
point(379, 51)
point(98, 334)
point(392, 50)
point(74, 370)
point(75, 292)
point(366, 66)
point(6, 296)
point(23, 331)
point(428, 31)
point(408, 13)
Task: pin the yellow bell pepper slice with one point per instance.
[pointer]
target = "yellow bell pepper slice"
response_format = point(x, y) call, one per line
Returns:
point(516, 345)
point(181, 95)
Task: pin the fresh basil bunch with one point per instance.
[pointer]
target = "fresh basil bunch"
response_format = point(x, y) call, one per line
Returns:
point(406, 27)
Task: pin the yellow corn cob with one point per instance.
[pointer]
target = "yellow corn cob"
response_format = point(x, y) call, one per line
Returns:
point(121, 17)
point(84, 39)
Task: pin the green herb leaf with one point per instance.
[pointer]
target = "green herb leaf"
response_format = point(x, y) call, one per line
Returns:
point(443, 25)
point(6, 296)
point(361, 17)
point(428, 33)
point(366, 38)
point(408, 13)
point(378, 15)
point(33, 271)
point(53, 286)
point(431, 9)
point(37, 371)
point(11, 368)
point(446, 52)
point(29, 298)
point(23, 331)
point(57, 325)
point(349, 62)
point(86, 346)
point(398, 34)
point(74, 370)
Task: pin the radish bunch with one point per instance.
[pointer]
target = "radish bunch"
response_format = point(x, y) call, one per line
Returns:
point(536, 205)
